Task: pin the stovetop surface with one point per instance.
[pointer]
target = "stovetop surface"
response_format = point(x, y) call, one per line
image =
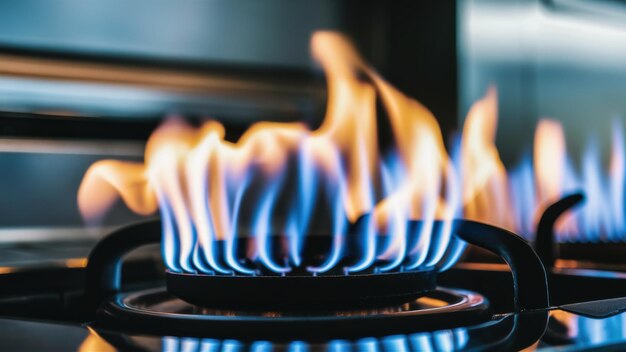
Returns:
point(570, 326)
point(562, 331)
point(57, 323)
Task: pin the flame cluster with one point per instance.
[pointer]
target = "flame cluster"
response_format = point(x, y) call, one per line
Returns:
point(288, 180)
point(515, 199)
point(207, 187)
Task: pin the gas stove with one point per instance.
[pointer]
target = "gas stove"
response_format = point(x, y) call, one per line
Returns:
point(401, 310)
point(175, 191)
point(298, 305)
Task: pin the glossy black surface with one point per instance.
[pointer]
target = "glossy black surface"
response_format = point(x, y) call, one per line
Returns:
point(542, 330)
point(153, 320)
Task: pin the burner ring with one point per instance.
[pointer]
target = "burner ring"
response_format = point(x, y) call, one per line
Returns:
point(297, 292)
point(530, 288)
point(156, 311)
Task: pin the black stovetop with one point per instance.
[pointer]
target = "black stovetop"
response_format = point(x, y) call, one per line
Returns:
point(568, 325)
point(546, 330)
point(585, 312)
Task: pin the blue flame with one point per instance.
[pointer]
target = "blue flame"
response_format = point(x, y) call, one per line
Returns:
point(232, 346)
point(453, 195)
point(588, 332)
point(205, 250)
point(338, 229)
point(186, 238)
point(421, 249)
point(336, 194)
point(444, 340)
point(339, 346)
point(368, 239)
point(395, 343)
point(170, 243)
point(189, 344)
point(522, 186)
point(455, 247)
point(191, 239)
point(198, 259)
point(303, 204)
point(367, 344)
point(421, 342)
point(398, 235)
point(618, 175)
point(595, 218)
point(262, 226)
point(455, 250)
point(231, 240)
point(397, 231)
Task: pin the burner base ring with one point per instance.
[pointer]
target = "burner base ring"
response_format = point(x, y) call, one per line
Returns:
point(157, 312)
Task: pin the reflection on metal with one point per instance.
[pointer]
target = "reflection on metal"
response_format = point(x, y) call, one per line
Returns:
point(27, 235)
point(540, 58)
point(583, 331)
point(76, 263)
point(483, 266)
point(443, 340)
point(5, 270)
point(116, 148)
point(12, 65)
point(601, 11)
point(433, 302)
point(148, 94)
point(93, 342)
point(504, 333)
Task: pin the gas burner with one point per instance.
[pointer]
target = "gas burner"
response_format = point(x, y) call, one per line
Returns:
point(300, 292)
point(299, 288)
point(419, 305)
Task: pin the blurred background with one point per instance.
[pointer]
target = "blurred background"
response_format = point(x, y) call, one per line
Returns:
point(559, 59)
point(87, 80)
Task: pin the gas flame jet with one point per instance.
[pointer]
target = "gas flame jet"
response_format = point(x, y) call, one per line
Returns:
point(205, 186)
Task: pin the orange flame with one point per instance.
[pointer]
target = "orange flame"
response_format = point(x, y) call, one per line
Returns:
point(179, 156)
point(483, 173)
point(549, 159)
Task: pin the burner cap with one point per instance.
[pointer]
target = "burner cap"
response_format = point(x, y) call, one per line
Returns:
point(301, 292)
